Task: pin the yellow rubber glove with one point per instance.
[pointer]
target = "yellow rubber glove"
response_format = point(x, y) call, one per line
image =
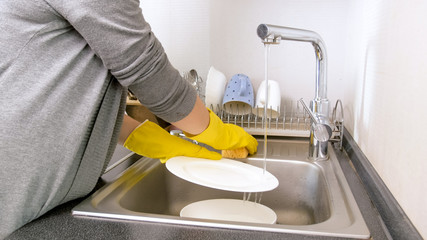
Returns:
point(152, 141)
point(225, 136)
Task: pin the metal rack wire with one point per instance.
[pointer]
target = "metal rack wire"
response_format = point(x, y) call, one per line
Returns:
point(292, 121)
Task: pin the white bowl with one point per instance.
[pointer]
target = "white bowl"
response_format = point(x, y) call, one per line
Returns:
point(230, 210)
point(215, 86)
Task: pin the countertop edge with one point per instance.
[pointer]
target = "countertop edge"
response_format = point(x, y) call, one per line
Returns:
point(395, 221)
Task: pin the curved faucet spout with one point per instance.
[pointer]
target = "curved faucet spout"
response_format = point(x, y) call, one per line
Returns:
point(271, 34)
point(320, 132)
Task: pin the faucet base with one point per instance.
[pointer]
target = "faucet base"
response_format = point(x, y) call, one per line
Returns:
point(317, 151)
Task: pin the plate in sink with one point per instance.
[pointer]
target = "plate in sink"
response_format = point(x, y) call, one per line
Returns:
point(224, 174)
point(230, 210)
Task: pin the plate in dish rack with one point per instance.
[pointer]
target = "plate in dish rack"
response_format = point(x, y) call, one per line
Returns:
point(224, 174)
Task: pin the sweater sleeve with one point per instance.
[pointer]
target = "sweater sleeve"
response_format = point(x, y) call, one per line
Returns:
point(118, 34)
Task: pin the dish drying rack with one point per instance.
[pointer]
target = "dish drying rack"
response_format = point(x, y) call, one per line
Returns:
point(291, 122)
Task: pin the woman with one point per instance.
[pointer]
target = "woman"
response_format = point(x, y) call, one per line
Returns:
point(65, 70)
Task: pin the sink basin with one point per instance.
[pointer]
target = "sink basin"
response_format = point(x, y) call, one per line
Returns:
point(312, 197)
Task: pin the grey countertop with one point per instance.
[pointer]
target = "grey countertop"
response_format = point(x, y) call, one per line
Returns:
point(60, 224)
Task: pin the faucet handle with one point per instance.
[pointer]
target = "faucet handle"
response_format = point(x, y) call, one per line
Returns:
point(321, 128)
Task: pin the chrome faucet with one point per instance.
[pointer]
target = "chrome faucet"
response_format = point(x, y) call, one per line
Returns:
point(319, 106)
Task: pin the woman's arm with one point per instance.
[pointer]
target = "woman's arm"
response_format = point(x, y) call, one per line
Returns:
point(129, 124)
point(196, 122)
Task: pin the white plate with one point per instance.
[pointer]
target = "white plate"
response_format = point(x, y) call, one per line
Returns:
point(224, 174)
point(230, 210)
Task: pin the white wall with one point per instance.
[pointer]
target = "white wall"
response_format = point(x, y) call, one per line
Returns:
point(386, 73)
point(236, 48)
point(221, 33)
point(377, 55)
point(183, 28)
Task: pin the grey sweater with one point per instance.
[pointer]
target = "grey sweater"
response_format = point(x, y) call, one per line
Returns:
point(65, 68)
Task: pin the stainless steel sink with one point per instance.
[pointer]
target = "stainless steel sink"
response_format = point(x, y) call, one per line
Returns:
point(312, 198)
